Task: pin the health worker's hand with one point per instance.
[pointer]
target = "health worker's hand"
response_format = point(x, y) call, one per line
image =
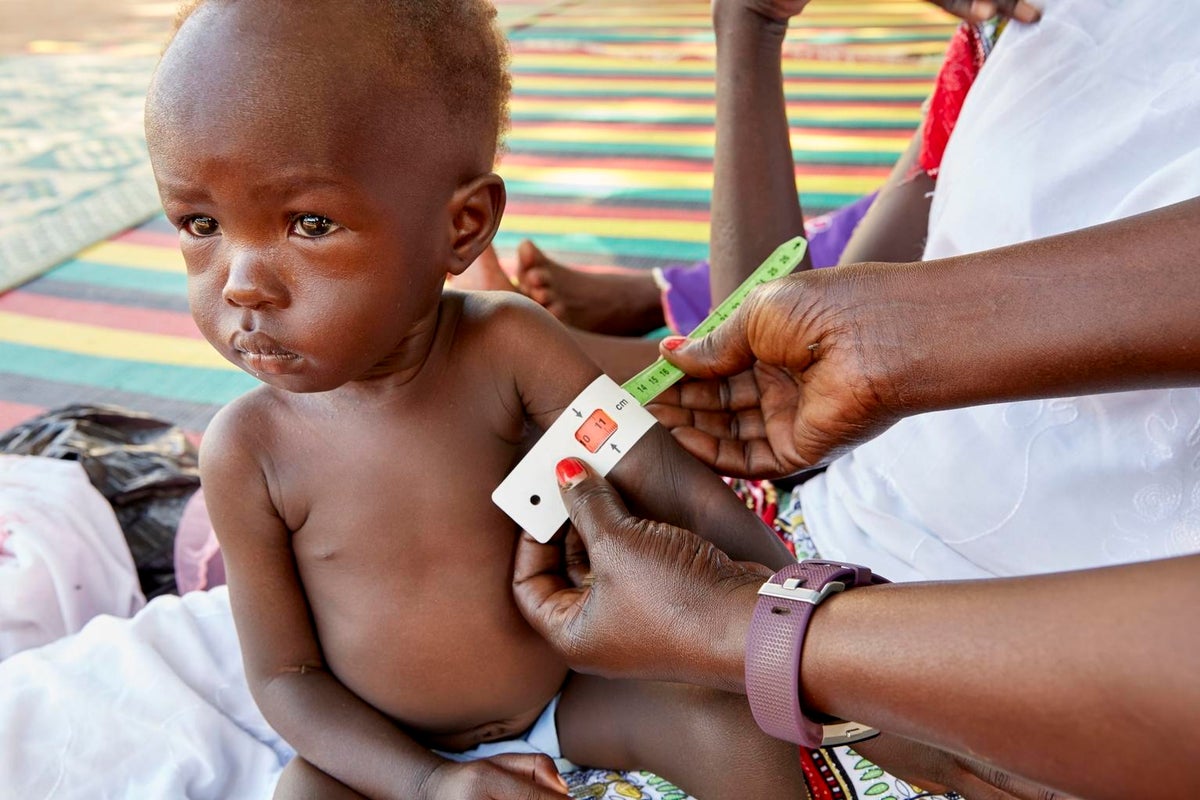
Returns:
point(624, 597)
point(771, 10)
point(809, 365)
point(629, 598)
point(512, 776)
point(969, 10)
point(983, 10)
point(941, 772)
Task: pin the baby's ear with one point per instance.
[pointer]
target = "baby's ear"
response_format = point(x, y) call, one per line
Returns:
point(475, 211)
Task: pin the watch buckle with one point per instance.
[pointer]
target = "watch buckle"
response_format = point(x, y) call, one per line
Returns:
point(791, 589)
point(840, 733)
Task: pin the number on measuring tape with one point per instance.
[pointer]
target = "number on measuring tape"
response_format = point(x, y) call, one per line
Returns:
point(596, 430)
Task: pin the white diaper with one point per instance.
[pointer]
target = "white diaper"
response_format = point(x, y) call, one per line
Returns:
point(541, 738)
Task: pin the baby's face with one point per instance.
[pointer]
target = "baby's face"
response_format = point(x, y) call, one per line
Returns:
point(312, 213)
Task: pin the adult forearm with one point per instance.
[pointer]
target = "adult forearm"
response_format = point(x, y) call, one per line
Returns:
point(754, 205)
point(895, 226)
point(1108, 308)
point(340, 734)
point(1084, 681)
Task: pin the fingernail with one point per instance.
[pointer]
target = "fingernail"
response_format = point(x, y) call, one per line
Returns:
point(569, 471)
point(673, 342)
point(566, 789)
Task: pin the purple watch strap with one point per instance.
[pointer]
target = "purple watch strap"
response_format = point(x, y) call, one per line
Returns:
point(774, 643)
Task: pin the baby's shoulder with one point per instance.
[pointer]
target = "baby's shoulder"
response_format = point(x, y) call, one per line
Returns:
point(243, 428)
point(508, 322)
point(535, 353)
point(496, 309)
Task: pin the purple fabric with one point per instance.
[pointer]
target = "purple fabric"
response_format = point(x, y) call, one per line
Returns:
point(829, 233)
point(687, 298)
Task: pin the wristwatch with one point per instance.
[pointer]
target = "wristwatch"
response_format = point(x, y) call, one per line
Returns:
point(776, 637)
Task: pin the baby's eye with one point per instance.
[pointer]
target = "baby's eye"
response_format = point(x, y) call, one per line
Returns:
point(201, 226)
point(313, 226)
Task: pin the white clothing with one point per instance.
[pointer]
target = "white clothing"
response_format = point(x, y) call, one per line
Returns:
point(150, 708)
point(541, 738)
point(63, 558)
point(1090, 116)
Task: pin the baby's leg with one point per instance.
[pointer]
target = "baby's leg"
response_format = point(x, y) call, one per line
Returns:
point(702, 740)
point(302, 781)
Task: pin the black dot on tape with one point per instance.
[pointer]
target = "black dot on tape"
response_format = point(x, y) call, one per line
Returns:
point(534, 500)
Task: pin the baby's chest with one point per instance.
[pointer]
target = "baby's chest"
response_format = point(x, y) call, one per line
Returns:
point(397, 490)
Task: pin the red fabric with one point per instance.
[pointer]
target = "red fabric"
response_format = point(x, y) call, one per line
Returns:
point(964, 58)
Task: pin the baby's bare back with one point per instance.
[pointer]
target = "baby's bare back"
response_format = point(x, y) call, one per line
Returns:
point(406, 562)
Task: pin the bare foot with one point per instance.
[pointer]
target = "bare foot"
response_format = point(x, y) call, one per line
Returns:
point(619, 302)
point(485, 274)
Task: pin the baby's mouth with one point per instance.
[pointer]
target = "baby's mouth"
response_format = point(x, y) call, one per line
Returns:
point(263, 354)
point(273, 353)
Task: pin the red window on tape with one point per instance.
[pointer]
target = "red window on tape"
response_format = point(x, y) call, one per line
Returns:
point(595, 430)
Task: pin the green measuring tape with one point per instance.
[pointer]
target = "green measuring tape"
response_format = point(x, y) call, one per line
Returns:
point(654, 379)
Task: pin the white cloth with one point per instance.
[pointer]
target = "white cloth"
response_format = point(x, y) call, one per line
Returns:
point(151, 707)
point(541, 738)
point(157, 706)
point(1090, 116)
point(63, 558)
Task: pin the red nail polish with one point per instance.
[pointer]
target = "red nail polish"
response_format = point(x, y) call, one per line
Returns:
point(568, 471)
point(673, 342)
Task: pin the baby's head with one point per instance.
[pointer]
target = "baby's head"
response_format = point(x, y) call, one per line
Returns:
point(327, 163)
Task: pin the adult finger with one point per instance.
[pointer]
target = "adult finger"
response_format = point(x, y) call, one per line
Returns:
point(983, 10)
point(985, 781)
point(596, 510)
point(940, 771)
point(717, 399)
point(579, 565)
point(538, 768)
point(540, 586)
point(725, 351)
point(752, 458)
point(1020, 10)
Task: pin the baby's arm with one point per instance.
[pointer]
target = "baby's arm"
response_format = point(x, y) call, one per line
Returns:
point(330, 727)
point(656, 477)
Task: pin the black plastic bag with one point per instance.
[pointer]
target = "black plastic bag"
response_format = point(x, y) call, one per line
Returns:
point(146, 468)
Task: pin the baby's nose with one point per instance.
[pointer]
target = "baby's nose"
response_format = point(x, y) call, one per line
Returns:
point(252, 282)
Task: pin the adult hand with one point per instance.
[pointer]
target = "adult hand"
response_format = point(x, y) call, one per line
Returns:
point(803, 370)
point(772, 10)
point(983, 10)
point(620, 591)
point(969, 10)
point(512, 776)
point(940, 772)
point(625, 597)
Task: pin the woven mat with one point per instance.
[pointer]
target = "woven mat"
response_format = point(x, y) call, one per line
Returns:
point(73, 165)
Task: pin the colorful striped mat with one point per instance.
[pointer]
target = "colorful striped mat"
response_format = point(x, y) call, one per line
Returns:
point(609, 161)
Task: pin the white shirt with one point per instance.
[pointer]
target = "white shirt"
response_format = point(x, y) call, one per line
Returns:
point(1090, 116)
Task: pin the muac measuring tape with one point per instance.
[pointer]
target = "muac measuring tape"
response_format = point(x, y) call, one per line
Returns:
point(605, 420)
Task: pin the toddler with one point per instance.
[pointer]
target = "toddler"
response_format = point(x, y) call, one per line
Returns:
point(327, 163)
